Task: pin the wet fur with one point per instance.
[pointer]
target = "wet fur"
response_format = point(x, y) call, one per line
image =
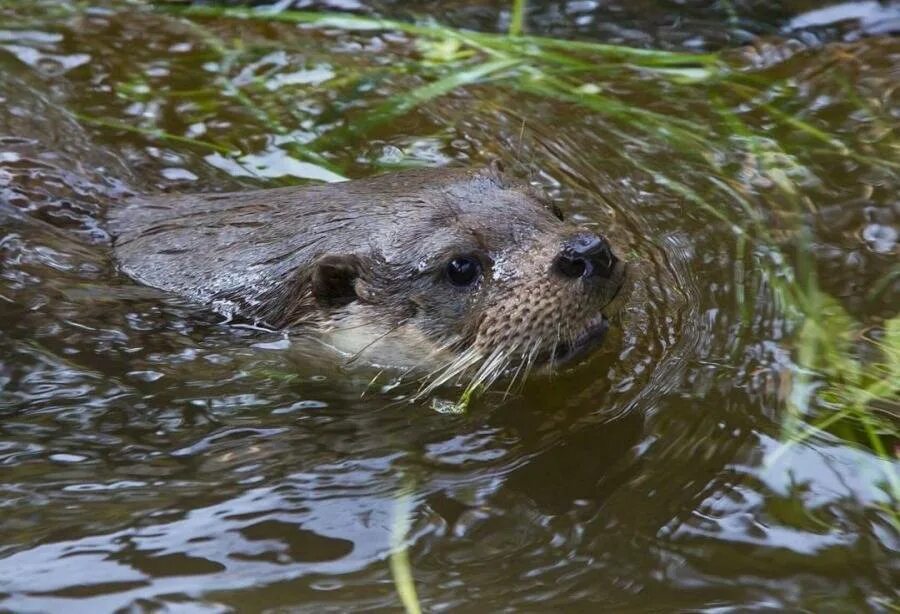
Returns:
point(368, 255)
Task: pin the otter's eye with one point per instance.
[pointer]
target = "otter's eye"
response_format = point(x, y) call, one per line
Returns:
point(463, 270)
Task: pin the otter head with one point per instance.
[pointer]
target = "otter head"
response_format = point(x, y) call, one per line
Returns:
point(471, 274)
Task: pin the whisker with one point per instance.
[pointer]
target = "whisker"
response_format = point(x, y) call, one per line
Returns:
point(371, 383)
point(556, 341)
point(453, 368)
point(515, 375)
point(531, 358)
point(493, 367)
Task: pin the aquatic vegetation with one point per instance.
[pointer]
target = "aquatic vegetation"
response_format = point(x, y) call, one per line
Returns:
point(399, 557)
point(845, 376)
point(570, 71)
point(844, 379)
point(452, 59)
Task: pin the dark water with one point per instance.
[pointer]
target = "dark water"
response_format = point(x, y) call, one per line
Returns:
point(155, 457)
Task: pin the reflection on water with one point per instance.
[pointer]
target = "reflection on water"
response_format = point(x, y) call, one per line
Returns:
point(154, 455)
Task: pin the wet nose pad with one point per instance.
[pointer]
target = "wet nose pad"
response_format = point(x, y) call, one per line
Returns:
point(586, 255)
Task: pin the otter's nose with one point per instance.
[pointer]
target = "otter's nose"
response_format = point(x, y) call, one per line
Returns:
point(586, 255)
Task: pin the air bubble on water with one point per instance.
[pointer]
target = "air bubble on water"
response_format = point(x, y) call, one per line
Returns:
point(67, 458)
point(880, 238)
point(178, 174)
point(196, 129)
point(300, 406)
point(145, 376)
point(280, 344)
point(391, 154)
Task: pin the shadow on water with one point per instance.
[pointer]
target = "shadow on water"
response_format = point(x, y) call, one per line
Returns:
point(155, 456)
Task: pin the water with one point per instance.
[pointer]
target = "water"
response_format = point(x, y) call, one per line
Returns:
point(154, 456)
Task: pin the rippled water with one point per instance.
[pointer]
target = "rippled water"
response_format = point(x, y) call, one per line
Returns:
point(154, 455)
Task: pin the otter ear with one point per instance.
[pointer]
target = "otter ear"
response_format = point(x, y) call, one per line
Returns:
point(334, 279)
point(497, 173)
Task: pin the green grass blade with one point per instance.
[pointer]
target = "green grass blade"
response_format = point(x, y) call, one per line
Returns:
point(155, 133)
point(517, 18)
point(401, 570)
point(403, 103)
point(499, 42)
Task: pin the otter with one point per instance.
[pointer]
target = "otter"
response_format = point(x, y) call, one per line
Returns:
point(453, 270)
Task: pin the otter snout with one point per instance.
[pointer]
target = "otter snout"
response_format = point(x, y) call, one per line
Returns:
point(586, 255)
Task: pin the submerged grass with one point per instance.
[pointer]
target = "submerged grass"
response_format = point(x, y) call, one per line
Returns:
point(832, 389)
point(401, 570)
point(517, 18)
point(157, 133)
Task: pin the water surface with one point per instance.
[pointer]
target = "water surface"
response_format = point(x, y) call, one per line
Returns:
point(155, 456)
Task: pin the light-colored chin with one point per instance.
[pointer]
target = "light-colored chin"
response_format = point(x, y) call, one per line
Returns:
point(359, 339)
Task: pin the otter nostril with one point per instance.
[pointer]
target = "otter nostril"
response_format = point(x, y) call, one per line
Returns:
point(604, 261)
point(586, 255)
point(571, 267)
